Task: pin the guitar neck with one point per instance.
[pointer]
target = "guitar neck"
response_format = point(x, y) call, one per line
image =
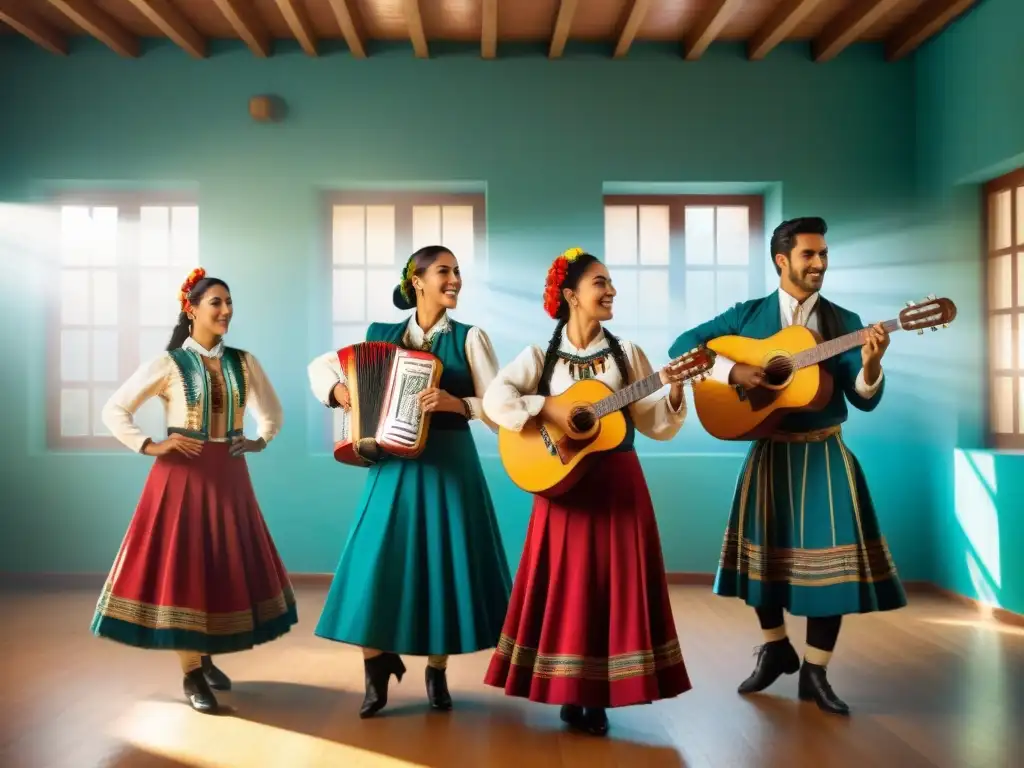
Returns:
point(838, 345)
point(638, 390)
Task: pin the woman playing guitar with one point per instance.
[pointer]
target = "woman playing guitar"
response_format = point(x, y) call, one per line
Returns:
point(589, 625)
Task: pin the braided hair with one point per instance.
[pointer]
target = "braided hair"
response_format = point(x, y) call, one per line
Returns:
point(573, 273)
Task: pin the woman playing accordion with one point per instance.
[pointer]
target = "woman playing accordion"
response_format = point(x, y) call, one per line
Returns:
point(424, 571)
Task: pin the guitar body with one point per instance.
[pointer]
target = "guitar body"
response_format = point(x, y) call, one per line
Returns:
point(730, 415)
point(543, 459)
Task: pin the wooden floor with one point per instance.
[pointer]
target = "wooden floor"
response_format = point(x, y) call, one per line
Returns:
point(932, 685)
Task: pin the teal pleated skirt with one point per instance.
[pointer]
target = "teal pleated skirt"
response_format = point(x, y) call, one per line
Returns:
point(803, 534)
point(424, 570)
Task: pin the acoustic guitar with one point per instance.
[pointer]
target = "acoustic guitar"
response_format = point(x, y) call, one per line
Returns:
point(793, 377)
point(550, 455)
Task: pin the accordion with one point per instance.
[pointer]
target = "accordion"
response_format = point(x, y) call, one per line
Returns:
point(384, 382)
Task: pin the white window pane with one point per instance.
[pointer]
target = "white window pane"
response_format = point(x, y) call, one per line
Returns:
point(654, 234)
point(74, 412)
point(620, 234)
point(104, 230)
point(74, 355)
point(185, 235)
point(380, 234)
point(158, 298)
point(700, 297)
point(152, 341)
point(1001, 341)
point(100, 397)
point(74, 297)
point(1020, 345)
point(1002, 405)
point(347, 335)
point(426, 226)
point(154, 235)
point(1000, 286)
point(75, 235)
point(349, 295)
point(1020, 280)
point(699, 229)
point(999, 219)
point(1020, 219)
point(625, 304)
point(1020, 401)
point(104, 297)
point(457, 233)
point(653, 287)
point(380, 287)
point(105, 357)
point(349, 234)
point(732, 229)
point(731, 287)
point(151, 420)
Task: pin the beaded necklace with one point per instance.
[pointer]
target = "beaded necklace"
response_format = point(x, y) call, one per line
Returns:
point(585, 366)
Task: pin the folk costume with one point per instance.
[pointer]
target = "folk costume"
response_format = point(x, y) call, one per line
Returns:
point(424, 570)
point(803, 535)
point(197, 571)
point(589, 624)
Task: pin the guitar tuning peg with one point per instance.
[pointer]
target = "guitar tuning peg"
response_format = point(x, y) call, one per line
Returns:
point(910, 304)
point(945, 325)
point(934, 328)
point(931, 297)
point(920, 332)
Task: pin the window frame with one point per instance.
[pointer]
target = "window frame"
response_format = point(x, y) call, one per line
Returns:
point(128, 327)
point(1008, 182)
point(403, 201)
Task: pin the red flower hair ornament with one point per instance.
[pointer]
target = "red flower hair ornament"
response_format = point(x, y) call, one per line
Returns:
point(194, 277)
point(556, 276)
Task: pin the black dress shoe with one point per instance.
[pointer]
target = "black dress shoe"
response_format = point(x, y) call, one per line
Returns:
point(572, 715)
point(198, 692)
point(379, 670)
point(437, 689)
point(592, 720)
point(217, 679)
point(814, 687)
point(774, 659)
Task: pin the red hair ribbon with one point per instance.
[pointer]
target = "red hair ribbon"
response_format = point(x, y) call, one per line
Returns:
point(194, 277)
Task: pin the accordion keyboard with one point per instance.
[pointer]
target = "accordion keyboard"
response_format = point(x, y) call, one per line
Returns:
point(402, 425)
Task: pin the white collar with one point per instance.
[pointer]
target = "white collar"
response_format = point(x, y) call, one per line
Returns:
point(599, 342)
point(416, 335)
point(790, 303)
point(195, 346)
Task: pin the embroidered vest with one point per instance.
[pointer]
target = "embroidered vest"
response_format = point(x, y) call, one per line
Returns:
point(191, 375)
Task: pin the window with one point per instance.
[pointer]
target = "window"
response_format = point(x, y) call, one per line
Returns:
point(1004, 204)
point(372, 235)
point(121, 261)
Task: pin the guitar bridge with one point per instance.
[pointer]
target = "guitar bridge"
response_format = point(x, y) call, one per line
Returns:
point(548, 443)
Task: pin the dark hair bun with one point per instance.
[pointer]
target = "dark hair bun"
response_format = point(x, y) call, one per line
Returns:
point(399, 300)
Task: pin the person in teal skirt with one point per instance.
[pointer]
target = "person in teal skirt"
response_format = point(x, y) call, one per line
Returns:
point(803, 535)
point(424, 570)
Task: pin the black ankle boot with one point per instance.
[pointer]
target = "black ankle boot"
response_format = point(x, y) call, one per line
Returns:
point(379, 670)
point(217, 679)
point(198, 692)
point(572, 715)
point(814, 687)
point(437, 689)
point(774, 659)
point(595, 721)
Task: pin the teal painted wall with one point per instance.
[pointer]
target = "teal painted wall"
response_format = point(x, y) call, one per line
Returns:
point(544, 138)
point(970, 128)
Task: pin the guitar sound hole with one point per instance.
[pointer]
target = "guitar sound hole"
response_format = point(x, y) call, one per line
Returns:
point(778, 371)
point(582, 419)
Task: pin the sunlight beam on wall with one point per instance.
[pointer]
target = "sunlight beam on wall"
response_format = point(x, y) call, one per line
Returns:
point(975, 504)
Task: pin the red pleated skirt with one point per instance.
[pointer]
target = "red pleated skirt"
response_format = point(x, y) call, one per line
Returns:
point(197, 569)
point(589, 621)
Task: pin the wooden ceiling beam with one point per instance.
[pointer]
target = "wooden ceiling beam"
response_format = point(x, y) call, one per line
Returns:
point(169, 20)
point(779, 26)
point(34, 28)
point(417, 36)
point(295, 16)
point(848, 27)
point(927, 22)
point(351, 28)
point(631, 27)
point(243, 18)
point(563, 23)
point(489, 30)
point(97, 23)
point(709, 27)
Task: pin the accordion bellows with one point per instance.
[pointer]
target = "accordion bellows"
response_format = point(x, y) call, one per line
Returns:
point(384, 382)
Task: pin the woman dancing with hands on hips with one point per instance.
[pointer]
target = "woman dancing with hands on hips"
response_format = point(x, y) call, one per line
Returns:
point(197, 571)
point(589, 624)
point(424, 571)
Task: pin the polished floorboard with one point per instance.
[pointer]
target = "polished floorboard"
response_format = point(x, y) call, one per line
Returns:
point(932, 685)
